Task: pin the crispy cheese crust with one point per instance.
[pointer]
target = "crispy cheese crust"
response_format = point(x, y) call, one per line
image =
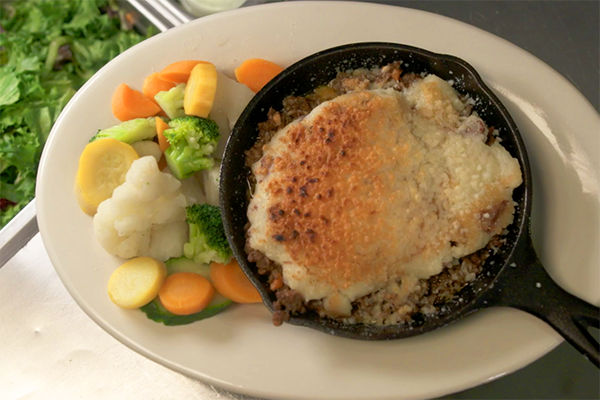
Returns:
point(378, 186)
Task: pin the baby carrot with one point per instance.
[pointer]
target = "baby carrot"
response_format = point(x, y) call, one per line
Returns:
point(256, 73)
point(161, 126)
point(231, 282)
point(154, 84)
point(179, 71)
point(129, 104)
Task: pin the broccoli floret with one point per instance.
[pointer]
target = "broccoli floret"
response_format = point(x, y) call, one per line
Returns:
point(208, 242)
point(171, 101)
point(191, 141)
point(129, 132)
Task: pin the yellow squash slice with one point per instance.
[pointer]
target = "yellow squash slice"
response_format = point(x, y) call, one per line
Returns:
point(200, 90)
point(102, 168)
point(137, 282)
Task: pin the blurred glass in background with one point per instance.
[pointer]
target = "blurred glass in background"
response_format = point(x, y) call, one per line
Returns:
point(201, 8)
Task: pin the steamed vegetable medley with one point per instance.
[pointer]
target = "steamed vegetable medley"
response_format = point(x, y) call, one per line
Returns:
point(151, 185)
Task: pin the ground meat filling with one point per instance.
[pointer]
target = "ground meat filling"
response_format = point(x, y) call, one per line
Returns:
point(382, 307)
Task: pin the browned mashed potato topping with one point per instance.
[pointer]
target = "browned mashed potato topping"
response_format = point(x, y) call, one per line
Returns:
point(375, 197)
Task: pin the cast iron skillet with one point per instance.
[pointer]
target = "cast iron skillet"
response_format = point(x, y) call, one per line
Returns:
point(514, 277)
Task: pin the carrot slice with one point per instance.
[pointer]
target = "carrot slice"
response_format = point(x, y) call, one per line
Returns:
point(153, 85)
point(231, 282)
point(178, 72)
point(129, 104)
point(256, 73)
point(185, 293)
point(162, 126)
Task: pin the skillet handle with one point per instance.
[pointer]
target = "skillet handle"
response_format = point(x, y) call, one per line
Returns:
point(528, 287)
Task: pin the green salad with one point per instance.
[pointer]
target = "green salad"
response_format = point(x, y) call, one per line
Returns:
point(48, 50)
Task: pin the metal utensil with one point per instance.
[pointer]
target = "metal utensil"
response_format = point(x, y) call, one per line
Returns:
point(18, 232)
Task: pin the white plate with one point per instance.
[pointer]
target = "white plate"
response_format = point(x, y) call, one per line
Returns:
point(240, 350)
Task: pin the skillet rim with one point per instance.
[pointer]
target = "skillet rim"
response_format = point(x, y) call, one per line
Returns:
point(520, 225)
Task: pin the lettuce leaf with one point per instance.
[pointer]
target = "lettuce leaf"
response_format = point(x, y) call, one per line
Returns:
point(9, 88)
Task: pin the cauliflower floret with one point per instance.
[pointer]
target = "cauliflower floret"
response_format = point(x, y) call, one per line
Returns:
point(167, 240)
point(145, 215)
point(210, 183)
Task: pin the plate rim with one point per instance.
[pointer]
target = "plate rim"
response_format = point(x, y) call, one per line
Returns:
point(44, 228)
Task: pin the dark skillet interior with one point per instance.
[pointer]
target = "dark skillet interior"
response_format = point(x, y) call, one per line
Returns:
point(320, 68)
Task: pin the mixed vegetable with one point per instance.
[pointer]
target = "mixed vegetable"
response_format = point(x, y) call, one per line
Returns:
point(151, 184)
point(48, 49)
